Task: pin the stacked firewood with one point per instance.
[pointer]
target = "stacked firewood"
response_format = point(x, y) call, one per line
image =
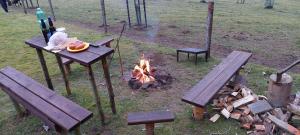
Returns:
point(254, 112)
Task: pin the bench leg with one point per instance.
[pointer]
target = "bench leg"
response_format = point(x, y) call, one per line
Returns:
point(17, 107)
point(198, 112)
point(177, 56)
point(77, 131)
point(149, 129)
point(188, 56)
point(196, 60)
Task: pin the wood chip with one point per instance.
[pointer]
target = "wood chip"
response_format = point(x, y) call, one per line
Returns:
point(235, 115)
point(234, 93)
point(260, 127)
point(243, 101)
point(225, 113)
point(214, 118)
point(246, 126)
point(229, 108)
point(278, 113)
point(246, 111)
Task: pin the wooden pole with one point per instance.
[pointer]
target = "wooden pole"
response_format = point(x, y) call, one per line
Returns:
point(104, 23)
point(128, 13)
point(61, 67)
point(27, 3)
point(209, 25)
point(44, 68)
point(37, 3)
point(109, 86)
point(24, 8)
point(31, 3)
point(52, 11)
point(145, 13)
point(97, 97)
point(139, 12)
point(77, 131)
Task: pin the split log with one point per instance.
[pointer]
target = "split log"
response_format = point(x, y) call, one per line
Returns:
point(284, 125)
point(235, 115)
point(260, 127)
point(243, 101)
point(293, 107)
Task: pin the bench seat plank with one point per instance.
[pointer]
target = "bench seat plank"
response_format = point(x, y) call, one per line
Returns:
point(73, 110)
point(203, 91)
point(54, 114)
point(149, 117)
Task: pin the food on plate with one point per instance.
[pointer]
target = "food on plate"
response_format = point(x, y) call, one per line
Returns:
point(77, 45)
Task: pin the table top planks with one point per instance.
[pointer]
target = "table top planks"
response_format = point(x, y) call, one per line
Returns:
point(203, 91)
point(149, 117)
point(87, 57)
point(58, 109)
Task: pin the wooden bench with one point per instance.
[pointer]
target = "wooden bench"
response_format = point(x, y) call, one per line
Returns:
point(57, 112)
point(200, 94)
point(149, 119)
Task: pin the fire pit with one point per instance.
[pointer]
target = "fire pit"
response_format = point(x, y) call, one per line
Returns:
point(145, 76)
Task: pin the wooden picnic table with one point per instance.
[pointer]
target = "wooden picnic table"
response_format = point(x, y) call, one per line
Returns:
point(85, 58)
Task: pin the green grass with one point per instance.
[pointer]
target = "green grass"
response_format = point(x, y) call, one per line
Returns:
point(17, 27)
point(275, 31)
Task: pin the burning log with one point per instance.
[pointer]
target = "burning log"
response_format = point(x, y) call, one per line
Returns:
point(144, 76)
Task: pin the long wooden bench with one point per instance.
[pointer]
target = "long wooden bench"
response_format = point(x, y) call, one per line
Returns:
point(57, 112)
point(203, 91)
point(149, 119)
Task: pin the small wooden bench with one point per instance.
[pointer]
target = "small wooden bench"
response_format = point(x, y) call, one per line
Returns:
point(57, 112)
point(149, 119)
point(203, 91)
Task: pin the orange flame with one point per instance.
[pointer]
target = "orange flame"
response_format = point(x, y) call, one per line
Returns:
point(142, 72)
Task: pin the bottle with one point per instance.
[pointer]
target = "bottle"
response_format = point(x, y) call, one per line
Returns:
point(44, 30)
point(52, 29)
point(40, 15)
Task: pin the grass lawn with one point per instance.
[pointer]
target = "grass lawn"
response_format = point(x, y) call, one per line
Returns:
point(17, 27)
point(272, 35)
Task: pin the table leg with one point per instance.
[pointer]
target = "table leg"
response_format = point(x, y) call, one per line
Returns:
point(44, 67)
point(61, 67)
point(109, 86)
point(97, 98)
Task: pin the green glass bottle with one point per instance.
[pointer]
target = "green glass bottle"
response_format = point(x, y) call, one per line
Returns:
point(40, 15)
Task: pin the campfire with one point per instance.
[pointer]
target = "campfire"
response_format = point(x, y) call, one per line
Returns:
point(146, 76)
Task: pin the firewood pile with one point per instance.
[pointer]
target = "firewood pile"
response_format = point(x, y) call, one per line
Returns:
point(255, 114)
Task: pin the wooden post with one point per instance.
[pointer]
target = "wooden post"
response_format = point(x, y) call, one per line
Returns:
point(44, 68)
point(17, 106)
point(128, 13)
point(77, 131)
point(97, 98)
point(52, 11)
point(198, 112)
point(149, 129)
point(104, 23)
point(31, 3)
point(37, 3)
point(209, 25)
point(24, 8)
point(145, 13)
point(61, 67)
point(108, 84)
point(139, 11)
point(27, 3)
